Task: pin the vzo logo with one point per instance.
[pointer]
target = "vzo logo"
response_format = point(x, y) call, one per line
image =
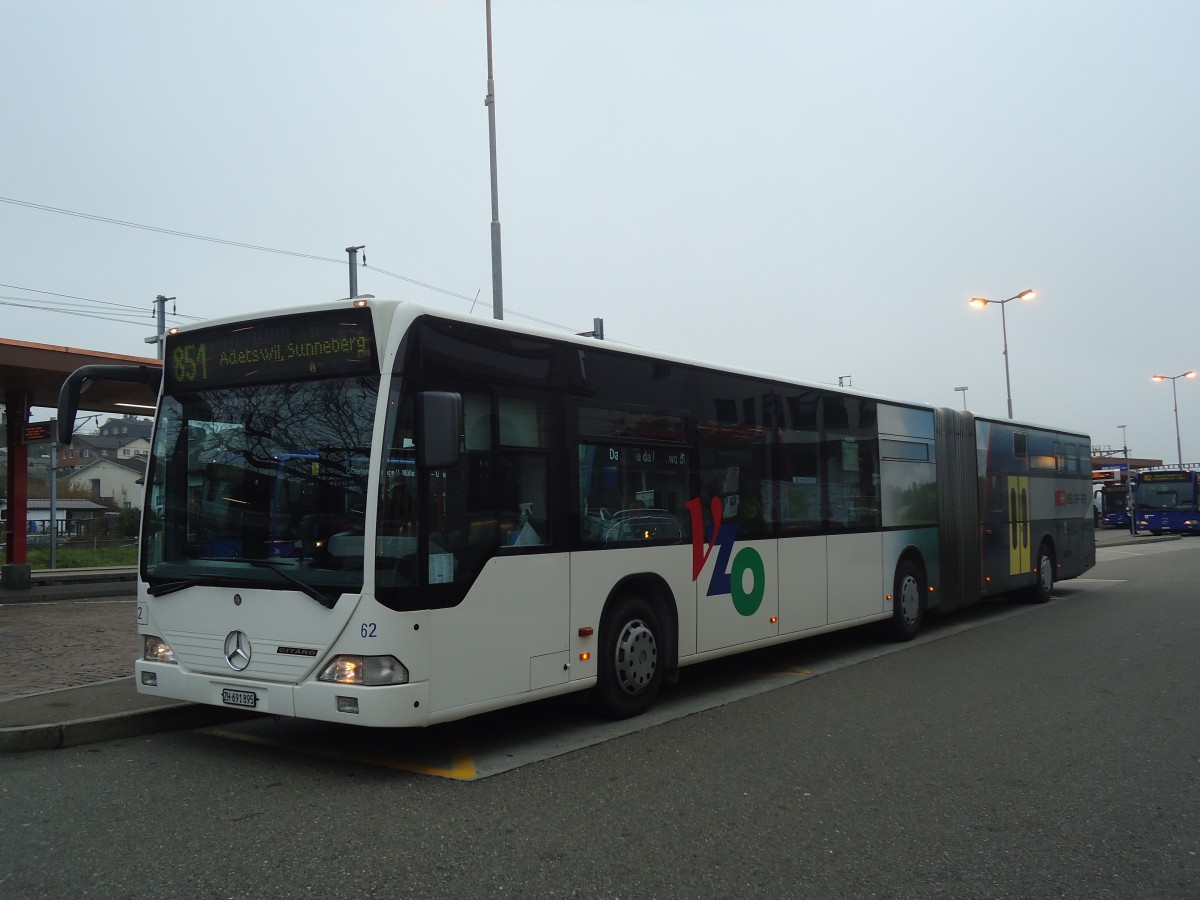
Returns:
point(726, 579)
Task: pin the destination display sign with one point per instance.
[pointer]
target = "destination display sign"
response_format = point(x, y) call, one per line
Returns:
point(281, 348)
point(1165, 476)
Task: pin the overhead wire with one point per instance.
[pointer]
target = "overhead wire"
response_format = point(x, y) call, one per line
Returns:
point(138, 310)
point(246, 246)
point(74, 310)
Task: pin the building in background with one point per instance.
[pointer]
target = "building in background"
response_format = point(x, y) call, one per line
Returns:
point(113, 481)
point(75, 517)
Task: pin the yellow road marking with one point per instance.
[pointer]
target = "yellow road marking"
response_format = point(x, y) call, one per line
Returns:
point(462, 767)
point(799, 670)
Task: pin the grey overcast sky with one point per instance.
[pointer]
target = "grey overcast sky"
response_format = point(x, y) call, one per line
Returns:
point(812, 188)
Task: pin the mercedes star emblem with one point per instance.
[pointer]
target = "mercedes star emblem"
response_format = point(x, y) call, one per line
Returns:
point(237, 650)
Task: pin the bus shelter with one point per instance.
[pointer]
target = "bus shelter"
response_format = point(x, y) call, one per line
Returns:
point(31, 376)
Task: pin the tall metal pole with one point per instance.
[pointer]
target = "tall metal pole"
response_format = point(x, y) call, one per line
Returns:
point(54, 493)
point(1007, 383)
point(982, 302)
point(1178, 444)
point(1128, 482)
point(1175, 399)
point(353, 251)
point(490, 102)
point(161, 328)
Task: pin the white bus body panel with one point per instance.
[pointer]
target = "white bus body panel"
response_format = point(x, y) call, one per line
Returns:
point(855, 577)
point(595, 573)
point(803, 585)
point(196, 621)
point(719, 624)
point(510, 629)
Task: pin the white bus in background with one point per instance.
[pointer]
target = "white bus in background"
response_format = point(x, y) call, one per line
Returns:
point(376, 513)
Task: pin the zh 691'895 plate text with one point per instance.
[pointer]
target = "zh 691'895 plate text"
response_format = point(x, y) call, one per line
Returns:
point(239, 698)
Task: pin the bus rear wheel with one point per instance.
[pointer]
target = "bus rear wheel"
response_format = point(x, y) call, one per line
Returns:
point(630, 665)
point(1044, 585)
point(908, 602)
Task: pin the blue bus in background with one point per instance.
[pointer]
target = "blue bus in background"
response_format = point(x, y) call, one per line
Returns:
point(1114, 503)
point(1167, 499)
point(1110, 495)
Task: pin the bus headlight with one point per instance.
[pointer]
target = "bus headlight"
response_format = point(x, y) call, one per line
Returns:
point(365, 670)
point(155, 649)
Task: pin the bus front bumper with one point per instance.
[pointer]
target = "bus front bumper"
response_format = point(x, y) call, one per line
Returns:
point(389, 706)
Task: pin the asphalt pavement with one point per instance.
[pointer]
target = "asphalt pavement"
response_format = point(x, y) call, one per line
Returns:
point(66, 662)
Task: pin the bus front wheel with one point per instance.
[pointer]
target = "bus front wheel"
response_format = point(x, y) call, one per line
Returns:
point(630, 665)
point(908, 601)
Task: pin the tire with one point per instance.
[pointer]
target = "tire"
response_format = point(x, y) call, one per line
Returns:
point(1044, 585)
point(908, 602)
point(631, 662)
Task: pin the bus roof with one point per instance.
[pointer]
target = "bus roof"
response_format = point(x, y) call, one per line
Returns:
point(411, 310)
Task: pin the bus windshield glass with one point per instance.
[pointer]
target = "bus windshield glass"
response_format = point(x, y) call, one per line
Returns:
point(1165, 492)
point(261, 485)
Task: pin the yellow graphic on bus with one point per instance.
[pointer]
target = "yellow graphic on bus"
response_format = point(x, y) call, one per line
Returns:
point(1018, 524)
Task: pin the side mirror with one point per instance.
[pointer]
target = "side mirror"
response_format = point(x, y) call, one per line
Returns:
point(439, 429)
point(79, 380)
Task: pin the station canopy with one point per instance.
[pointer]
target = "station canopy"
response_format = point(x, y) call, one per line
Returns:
point(37, 371)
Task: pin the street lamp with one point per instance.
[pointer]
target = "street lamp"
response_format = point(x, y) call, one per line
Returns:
point(964, 393)
point(981, 302)
point(1175, 396)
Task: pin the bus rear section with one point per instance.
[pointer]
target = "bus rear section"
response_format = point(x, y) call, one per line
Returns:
point(1015, 509)
point(1036, 522)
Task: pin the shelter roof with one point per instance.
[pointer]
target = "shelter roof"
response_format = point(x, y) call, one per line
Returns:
point(40, 369)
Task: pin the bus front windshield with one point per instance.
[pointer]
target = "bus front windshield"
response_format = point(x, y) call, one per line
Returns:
point(261, 485)
point(1166, 495)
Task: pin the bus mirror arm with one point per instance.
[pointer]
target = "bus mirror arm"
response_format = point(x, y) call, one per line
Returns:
point(79, 380)
point(439, 428)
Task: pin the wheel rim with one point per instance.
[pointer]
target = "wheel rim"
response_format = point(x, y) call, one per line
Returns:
point(910, 599)
point(1046, 573)
point(636, 657)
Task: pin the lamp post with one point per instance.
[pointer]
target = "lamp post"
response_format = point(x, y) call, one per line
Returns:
point(981, 302)
point(490, 102)
point(1128, 483)
point(964, 393)
point(1175, 396)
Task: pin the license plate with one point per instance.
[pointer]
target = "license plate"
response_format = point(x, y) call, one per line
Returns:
point(239, 698)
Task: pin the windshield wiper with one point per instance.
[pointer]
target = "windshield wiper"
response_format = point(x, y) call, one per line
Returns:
point(159, 590)
point(324, 599)
point(171, 587)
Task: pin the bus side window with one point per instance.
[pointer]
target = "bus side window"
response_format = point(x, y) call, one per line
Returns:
point(796, 501)
point(851, 457)
point(634, 477)
point(523, 467)
point(735, 463)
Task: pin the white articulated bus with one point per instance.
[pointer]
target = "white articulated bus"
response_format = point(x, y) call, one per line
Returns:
point(376, 513)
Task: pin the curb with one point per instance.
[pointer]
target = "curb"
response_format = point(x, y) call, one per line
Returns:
point(1131, 541)
point(78, 732)
point(80, 591)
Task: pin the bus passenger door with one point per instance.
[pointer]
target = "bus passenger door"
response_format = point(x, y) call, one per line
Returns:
point(1017, 508)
